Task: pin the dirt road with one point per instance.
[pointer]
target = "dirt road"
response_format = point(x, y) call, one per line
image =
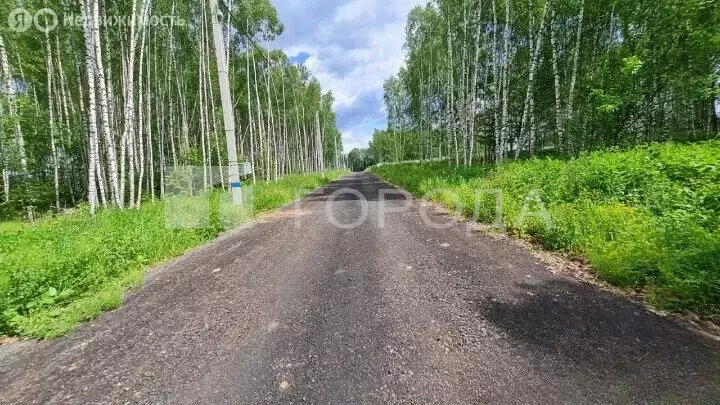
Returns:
point(298, 309)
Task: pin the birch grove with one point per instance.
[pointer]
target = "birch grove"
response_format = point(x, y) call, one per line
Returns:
point(106, 105)
point(490, 80)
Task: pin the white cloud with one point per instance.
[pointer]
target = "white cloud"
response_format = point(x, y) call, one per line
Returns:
point(351, 141)
point(354, 11)
point(354, 47)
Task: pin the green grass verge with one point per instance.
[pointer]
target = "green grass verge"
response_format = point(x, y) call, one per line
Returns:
point(70, 269)
point(646, 218)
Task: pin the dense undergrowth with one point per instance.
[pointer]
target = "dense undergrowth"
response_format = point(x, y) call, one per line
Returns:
point(65, 270)
point(646, 218)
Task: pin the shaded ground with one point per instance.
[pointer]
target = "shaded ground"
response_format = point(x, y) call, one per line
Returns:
point(296, 309)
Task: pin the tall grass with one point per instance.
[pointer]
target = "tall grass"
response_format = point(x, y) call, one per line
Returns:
point(62, 271)
point(646, 218)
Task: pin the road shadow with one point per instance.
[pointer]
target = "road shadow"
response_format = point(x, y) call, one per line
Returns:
point(608, 336)
point(586, 325)
point(366, 185)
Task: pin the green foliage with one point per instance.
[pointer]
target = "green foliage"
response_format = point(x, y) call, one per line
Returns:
point(268, 92)
point(607, 73)
point(645, 218)
point(360, 159)
point(68, 269)
point(394, 146)
point(631, 65)
point(35, 193)
point(258, 18)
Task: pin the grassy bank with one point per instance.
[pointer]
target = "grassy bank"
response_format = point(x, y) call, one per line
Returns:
point(65, 270)
point(646, 218)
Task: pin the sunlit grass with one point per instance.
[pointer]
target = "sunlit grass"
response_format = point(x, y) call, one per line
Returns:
point(647, 218)
point(69, 269)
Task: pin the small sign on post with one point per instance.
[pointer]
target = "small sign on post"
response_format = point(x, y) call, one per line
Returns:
point(245, 169)
point(235, 186)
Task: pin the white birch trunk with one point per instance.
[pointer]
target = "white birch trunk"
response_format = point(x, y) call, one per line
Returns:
point(129, 91)
point(103, 102)
point(92, 120)
point(250, 116)
point(142, 119)
point(576, 63)
point(260, 119)
point(497, 87)
point(4, 159)
point(505, 78)
point(526, 142)
point(51, 119)
point(271, 121)
point(558, 96)
point(319, 145)
point(12, 108)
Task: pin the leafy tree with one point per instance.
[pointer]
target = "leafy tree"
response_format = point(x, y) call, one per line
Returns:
point(151, 102)
point(496, 79)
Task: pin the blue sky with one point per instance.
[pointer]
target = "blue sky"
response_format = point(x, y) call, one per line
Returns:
point(351, 47)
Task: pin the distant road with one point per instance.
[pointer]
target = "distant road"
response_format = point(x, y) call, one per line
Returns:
point(297, 310)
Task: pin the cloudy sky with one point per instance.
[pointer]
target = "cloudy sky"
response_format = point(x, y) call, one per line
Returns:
point(351, 47)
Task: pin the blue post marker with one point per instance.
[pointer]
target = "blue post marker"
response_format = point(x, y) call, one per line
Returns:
point(236, 189)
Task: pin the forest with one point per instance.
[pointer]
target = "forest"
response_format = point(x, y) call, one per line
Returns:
point(490, 80)
point(97, 108)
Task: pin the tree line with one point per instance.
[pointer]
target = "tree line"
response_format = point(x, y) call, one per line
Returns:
point(96, 113)
point(491, 80)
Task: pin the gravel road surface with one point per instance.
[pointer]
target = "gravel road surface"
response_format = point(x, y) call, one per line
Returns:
point(296, 309)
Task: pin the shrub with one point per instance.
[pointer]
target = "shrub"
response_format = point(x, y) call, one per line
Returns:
point(67, 269)
point(647, 217)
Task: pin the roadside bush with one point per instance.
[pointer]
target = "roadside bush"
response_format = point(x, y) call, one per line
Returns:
point(68, 269)
point(646, 218)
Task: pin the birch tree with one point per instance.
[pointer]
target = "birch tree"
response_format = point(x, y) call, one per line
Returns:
point(612, 74)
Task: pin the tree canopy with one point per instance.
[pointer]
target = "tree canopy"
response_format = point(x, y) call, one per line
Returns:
point(97, 111)
point(489, 80)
